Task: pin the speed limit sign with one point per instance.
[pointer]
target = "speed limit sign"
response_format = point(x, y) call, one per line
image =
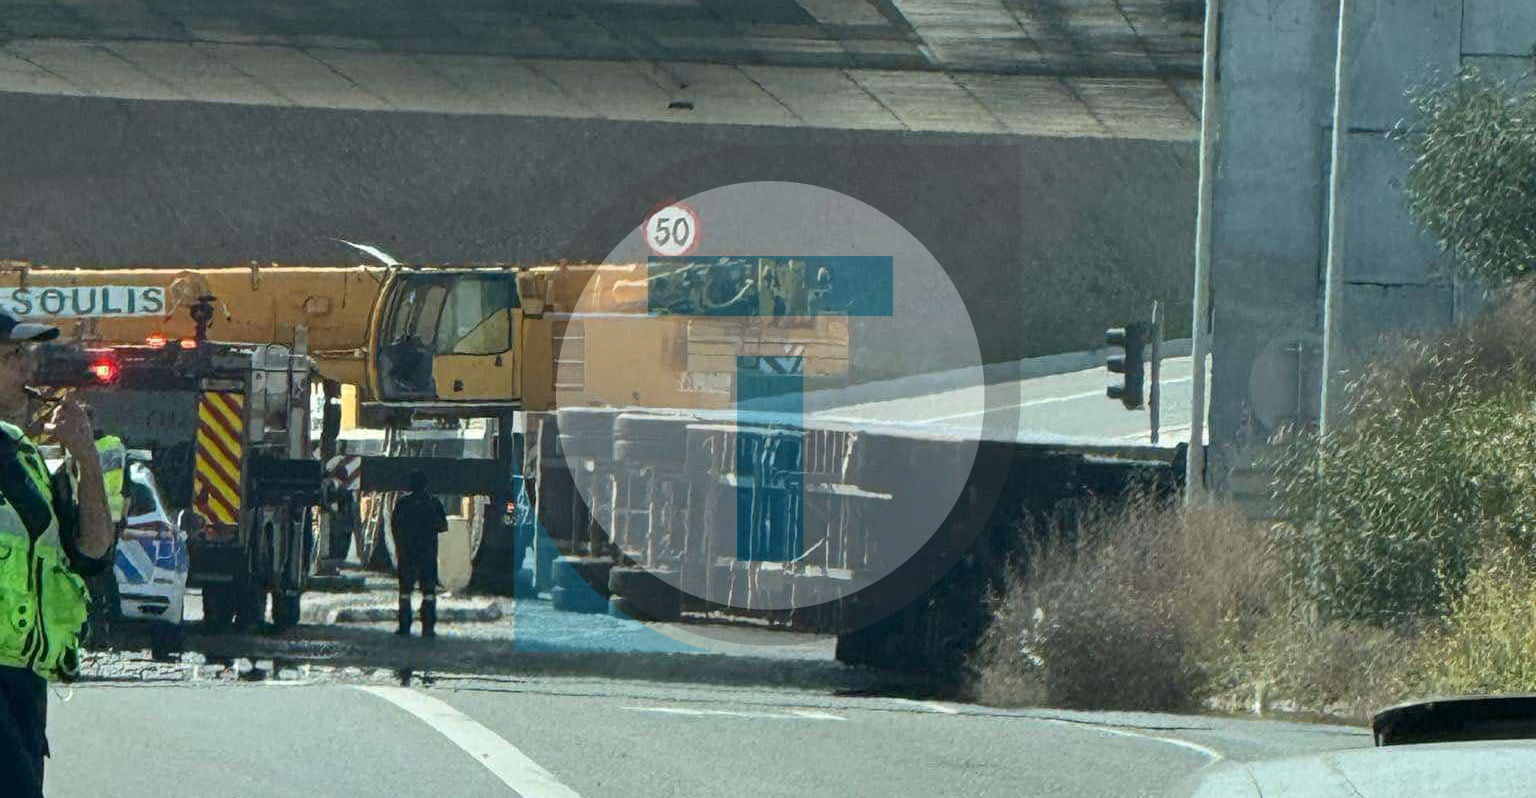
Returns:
point(673, 230)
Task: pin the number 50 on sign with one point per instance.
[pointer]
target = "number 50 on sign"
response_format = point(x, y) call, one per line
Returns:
point(673, 230)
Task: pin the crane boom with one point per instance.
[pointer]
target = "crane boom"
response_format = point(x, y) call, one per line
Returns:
point(464, 341)
point(251, 305)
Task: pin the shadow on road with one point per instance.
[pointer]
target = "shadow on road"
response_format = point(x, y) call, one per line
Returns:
point(380, 648)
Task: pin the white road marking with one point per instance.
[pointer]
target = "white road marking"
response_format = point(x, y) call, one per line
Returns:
point(1037, 402)
point(500, 757)
point(1210, 753)
point(1165, 433)
point(793, 714)
point(931, 706)
point(816, 715)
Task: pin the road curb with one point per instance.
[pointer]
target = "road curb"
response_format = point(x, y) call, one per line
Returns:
point(378, 614)
point(338, 584)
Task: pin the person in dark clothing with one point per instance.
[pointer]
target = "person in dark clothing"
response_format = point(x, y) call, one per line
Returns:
point(58, 517)
point(416, 522)
point(343, 523)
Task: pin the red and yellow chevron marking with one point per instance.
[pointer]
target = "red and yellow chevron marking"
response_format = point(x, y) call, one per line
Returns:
point(220, 445)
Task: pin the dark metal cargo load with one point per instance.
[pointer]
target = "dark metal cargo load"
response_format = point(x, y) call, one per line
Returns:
point(684, 495)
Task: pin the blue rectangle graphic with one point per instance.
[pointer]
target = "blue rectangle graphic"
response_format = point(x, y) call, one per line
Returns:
point(776, 286)
point(770, 524)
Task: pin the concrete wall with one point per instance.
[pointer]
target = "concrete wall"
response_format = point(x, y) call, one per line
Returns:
point(1271, 196)
point(1048, 240)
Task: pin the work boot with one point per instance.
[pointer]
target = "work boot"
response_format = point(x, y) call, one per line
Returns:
point(405, 617)
point(429, 617)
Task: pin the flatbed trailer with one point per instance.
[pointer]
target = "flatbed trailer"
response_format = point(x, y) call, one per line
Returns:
point(664, 528)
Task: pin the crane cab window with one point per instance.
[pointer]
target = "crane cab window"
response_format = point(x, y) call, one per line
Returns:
point(434, 315)
point(410, 332)
point(477, 316)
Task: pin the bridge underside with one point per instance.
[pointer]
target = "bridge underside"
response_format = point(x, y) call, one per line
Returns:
point(1102, 68)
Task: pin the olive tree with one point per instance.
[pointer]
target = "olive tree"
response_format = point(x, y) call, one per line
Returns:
point(1472, 184)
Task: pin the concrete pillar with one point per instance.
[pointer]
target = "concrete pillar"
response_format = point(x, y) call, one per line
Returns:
point(1271, 214)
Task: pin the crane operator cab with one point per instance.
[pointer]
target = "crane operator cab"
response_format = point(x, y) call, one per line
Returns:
point(445, 336)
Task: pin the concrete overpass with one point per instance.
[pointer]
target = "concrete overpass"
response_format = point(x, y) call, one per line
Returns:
point(1116, 68)
point(157, 131)
point(1042, 149)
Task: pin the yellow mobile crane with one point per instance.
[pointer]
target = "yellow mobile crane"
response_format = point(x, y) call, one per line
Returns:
point(468, 341)
point(212, 367)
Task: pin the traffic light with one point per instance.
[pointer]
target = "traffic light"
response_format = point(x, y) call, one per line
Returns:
point(1133, 340)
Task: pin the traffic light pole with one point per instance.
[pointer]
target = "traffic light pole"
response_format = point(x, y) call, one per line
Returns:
point(1200, 324)
point(1155, 391)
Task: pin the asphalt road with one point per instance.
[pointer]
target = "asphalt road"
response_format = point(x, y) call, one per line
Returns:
point(1071, 404)
point(565, 737)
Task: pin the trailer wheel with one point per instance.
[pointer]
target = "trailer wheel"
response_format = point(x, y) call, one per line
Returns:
point(644, 427)
point(635, 581)
point(586, 431)
point(651, 452)
point(584, 573)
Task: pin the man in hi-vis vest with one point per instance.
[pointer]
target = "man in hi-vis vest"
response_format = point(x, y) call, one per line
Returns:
point(114, 465)
point(49, 539)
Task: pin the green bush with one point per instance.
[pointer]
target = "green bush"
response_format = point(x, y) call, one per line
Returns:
point(1384, 517)
point(1487, 643)
point(1160, 607)
point(1471, 182)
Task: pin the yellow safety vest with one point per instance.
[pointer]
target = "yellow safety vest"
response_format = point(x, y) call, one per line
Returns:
point(43, 602)
point(114, 459)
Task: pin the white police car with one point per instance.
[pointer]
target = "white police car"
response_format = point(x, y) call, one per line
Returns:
point(152, 562)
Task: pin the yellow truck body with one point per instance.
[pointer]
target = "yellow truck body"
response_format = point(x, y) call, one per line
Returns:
point(473, 341)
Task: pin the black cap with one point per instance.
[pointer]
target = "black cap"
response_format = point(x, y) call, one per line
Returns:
point(11, 329)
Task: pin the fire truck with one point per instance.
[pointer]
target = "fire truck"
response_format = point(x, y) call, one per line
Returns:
point(228, 430)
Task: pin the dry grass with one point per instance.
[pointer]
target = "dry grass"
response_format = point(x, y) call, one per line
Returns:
point(1374, 591)
point(1341, 669)
point(1487, 643)
point(1170, 608)
point(1488, 352)
point(1143, 609)
point(1161, 607)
